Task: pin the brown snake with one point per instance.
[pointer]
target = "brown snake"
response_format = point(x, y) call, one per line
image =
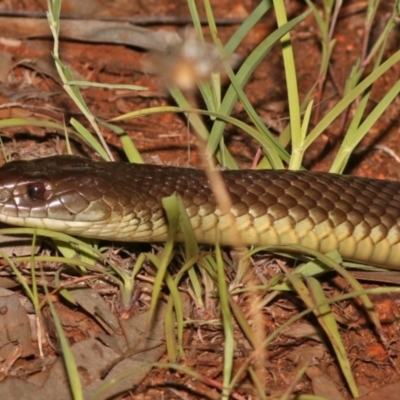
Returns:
point(357, 216)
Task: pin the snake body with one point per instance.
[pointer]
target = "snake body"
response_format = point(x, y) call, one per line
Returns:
point(359, 217)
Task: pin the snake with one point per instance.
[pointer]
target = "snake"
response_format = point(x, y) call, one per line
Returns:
point(118, 201)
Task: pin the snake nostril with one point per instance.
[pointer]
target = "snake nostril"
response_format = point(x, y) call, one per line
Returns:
point(36, 191)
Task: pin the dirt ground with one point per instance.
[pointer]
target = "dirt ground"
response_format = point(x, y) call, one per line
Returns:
point(30, 87)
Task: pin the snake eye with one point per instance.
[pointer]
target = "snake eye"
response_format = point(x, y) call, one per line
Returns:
point(36, 191)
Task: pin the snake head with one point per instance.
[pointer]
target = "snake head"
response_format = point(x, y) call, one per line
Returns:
point(44, 193)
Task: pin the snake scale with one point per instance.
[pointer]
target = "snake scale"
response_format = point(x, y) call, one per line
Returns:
point(359, 217)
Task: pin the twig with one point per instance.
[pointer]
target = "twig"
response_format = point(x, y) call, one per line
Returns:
point(137, 20)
